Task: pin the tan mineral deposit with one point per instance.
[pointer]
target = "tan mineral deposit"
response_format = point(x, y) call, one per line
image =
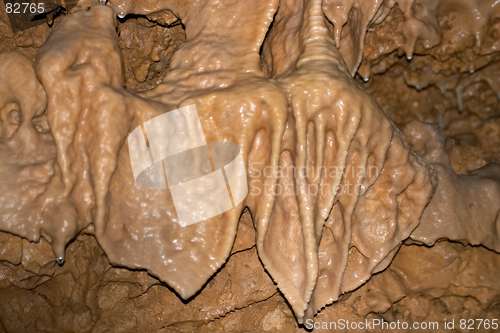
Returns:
point(251, 166)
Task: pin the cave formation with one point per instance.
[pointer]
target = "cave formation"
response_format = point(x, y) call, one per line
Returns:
point(382, 117)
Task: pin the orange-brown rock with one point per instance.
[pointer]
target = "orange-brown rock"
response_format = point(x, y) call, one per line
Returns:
point(274, 77)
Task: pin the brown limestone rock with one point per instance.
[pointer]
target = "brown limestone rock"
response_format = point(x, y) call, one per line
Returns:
point(465, 208)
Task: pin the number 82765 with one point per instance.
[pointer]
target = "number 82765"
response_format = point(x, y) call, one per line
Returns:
point(472, 324)
point(25, 7)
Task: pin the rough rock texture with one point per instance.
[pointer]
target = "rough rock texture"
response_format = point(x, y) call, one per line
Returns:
point(465, 208)
point(268, 76)
point(453, 84)
point(448, 281)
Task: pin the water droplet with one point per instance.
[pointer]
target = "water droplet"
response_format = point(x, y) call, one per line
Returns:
point(122, 15)
point(60, 260)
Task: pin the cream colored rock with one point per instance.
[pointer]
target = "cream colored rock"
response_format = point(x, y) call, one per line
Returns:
point(27, 150)
point(313, 117)
point(465, 208)
point(351, 19)
point(309, 116)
